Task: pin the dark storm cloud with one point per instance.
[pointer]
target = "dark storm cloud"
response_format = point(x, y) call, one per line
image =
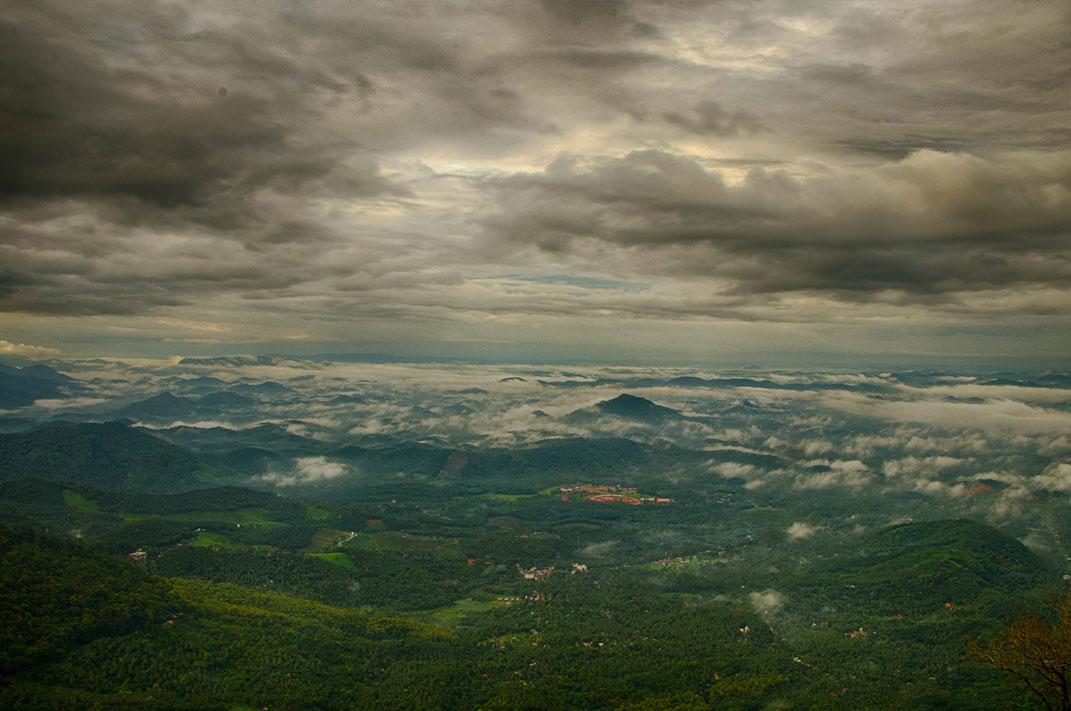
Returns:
point(141, 100)
point(930, 225)
point(135, 117)
point(173, 117)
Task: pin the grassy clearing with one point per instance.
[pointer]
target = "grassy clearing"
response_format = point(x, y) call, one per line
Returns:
point(245, 517)
point(315, 513)
point(510, 498)
point(455, 614)
point(339, 559)
point(253, 605)
point(325, 539)
point(78, 502)
point(207, 539)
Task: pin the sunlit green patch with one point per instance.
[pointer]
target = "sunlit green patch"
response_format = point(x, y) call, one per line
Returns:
point(315, 513)
point(508, 498)
point(258, 605)
point(78, 502)
point(579, 527)
point(244, 517)
point(207, 539)
point(456, 613)
point(339, 559)
point(327, 538)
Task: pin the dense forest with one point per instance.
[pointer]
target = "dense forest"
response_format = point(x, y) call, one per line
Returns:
point(246, 598)
point(382, 553)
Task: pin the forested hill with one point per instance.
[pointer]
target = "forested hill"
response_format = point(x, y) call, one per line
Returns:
point(56, 596)
point(967, 551)
point(24, 386)
point(277, 611)
point(79, 630)
point(915, 568)
point(108, 456)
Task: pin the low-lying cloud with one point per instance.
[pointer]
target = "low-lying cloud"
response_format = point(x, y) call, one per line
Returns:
point(801, 530)
point(307, 470)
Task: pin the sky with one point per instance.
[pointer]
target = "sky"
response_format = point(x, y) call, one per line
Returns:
point(688, 181)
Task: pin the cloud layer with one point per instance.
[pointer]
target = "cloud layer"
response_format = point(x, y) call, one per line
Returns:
point(795, 176)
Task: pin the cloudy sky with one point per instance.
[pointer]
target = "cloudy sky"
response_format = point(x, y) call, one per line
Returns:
point(736, 180)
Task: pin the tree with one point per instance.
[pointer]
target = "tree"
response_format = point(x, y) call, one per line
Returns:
point(1037, 652)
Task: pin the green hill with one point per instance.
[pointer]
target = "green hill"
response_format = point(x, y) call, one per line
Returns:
point(160, 406)
point(45, 580)
point(220, 440)
point(81, 630)
point(924, 566)
point(108, 456)
point(625, 406)
point(21, 387)
point(44, 372)
point(637, 408)
point(609, 459)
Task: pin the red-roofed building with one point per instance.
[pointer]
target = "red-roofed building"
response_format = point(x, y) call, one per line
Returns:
point(615, 499)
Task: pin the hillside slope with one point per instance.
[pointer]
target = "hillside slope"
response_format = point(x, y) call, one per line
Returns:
point(925, 566)
point(108, 456)
point(81, 630)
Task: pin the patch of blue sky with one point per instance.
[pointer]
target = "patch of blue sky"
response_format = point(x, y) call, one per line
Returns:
point(584, 282)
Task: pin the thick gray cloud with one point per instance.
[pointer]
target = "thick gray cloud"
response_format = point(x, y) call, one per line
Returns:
point(134, 101)
point(932, 224)
point(709, 117)
point(244, 171)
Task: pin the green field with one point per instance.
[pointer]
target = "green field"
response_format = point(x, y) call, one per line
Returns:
point(457, 613)
point(237, 519)
point(339, 559)
point(316, 513)
point(78, 502)
point(208, 539)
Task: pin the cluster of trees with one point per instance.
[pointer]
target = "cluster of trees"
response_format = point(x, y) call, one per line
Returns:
point(187, 643)
point(107, 456)
point(55, 596)
point(79, 628)
point(254, 617)
point(1036, 651)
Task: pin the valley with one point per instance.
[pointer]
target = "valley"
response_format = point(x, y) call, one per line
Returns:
point(319, 561)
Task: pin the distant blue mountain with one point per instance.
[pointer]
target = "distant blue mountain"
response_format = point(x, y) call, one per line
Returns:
point(162, 405)
point(626, 406)
point(23, 386)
